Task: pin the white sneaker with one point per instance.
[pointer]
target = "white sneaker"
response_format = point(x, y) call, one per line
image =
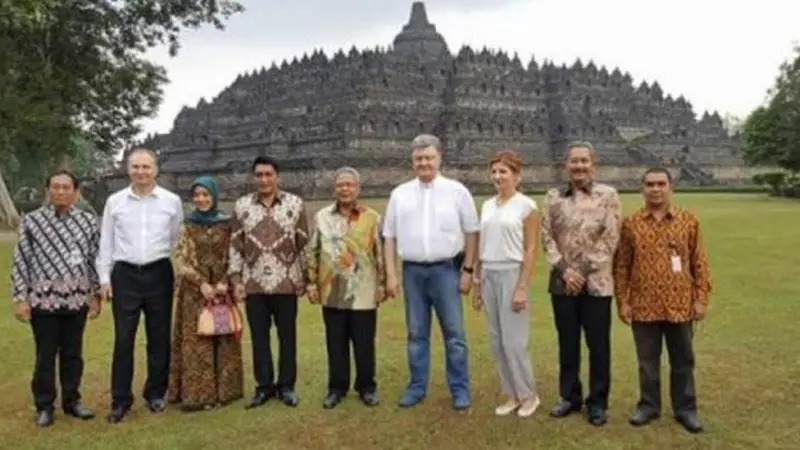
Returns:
point(528, 410)
point(506, 408)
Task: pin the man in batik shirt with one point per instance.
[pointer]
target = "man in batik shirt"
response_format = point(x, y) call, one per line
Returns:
point(346, 270)
point(55, 288)
point(580, 232)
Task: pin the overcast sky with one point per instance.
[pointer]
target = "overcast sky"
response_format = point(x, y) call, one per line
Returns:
point(720, 55)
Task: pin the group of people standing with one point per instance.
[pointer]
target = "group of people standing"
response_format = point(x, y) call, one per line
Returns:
point(146, 257)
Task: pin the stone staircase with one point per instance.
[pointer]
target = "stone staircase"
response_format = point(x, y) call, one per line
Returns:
point(642, 155)
point(690, 172)
point(693, 173)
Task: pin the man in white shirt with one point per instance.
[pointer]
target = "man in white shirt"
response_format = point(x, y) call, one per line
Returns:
point(138, 233)
point(429, 221)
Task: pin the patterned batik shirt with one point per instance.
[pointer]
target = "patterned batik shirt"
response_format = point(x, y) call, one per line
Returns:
point(345, 258)
point(267, 251)
point(661, 269)
point(54, 259)
point(582, 236)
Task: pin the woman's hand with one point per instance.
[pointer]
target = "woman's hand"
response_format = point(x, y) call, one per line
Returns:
point(221, 288)
point(208, 291)
point(520, 300)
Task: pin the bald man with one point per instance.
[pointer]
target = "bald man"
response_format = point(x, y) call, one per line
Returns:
point(138, 233)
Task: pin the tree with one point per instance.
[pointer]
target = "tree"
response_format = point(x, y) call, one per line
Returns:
point(88, 160)
point(771, 134)
point(77, 68)
point(732, 124)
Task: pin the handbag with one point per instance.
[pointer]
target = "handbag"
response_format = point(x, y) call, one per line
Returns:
point(222, 318)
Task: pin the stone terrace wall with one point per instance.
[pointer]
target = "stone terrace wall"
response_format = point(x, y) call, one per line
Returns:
point(380, 182)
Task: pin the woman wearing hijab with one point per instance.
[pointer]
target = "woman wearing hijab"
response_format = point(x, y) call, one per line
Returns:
point(206, 371)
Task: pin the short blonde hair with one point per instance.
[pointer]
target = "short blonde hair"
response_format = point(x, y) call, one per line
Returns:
point(509, 158)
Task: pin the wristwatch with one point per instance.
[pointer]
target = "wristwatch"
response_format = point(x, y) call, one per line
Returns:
point(468, 270)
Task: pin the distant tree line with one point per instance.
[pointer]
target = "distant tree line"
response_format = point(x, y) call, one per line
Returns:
point(771, 134)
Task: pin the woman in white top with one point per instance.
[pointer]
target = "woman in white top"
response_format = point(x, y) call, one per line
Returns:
point(508, 238)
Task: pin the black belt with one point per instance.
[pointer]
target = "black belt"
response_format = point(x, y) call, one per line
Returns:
point(454, 261)
point(143, 267)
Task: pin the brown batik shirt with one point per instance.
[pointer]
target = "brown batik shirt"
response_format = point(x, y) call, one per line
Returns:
point(582, 236)
point(267, 251)
point(646, 274)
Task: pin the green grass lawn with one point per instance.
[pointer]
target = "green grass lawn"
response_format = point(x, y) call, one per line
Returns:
point(748, 367)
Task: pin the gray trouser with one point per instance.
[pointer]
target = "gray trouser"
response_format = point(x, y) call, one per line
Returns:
point(508, 331)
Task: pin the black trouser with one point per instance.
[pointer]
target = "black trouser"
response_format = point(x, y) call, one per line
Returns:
point(593, 316)
point(648, 337)
point(141, 289)
point(262, 310)
point(57, 334)
point(343, 326)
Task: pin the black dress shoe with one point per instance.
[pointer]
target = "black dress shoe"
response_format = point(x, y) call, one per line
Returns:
point(596, 416)
point(333, 399)
point(642, 416)
point(79, 411)
point(156, 405)
point(289, 398)
point(564, 408)
point(44, 419)
point(689, 421)
point(259, 398)
point(116, 415)
point(369, 398)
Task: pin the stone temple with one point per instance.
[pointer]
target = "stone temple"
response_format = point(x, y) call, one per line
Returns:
point(363, 107)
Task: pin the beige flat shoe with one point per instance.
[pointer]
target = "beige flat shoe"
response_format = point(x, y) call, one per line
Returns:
point(527, 410)
point(506, 408)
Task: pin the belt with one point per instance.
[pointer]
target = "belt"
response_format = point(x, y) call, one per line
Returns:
point(143, 267)
point(456, 261)
point(448, 261)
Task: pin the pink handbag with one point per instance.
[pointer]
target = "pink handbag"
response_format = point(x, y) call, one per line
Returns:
point(222, 318)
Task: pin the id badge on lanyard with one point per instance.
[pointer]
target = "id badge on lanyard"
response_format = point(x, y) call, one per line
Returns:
point(675, 258)
point(676, 263)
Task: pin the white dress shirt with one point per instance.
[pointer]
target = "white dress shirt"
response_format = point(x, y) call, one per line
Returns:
point(429, 220)
point(138, 230)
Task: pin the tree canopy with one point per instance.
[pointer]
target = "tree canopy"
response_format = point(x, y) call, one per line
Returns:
point(771, 134)
point(73, 72)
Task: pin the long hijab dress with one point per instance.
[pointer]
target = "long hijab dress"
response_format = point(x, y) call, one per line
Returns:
point(205, 372)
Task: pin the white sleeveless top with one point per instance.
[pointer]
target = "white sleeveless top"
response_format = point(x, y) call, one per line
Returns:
point(502, 242)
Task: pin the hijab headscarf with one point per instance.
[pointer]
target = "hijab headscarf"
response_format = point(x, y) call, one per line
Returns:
point(213, 215)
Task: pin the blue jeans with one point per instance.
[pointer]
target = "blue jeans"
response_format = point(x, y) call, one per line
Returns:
point(427, 286)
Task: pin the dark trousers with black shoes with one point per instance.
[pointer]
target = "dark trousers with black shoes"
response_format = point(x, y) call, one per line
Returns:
point(57, 335)
point(344, 327)
point(648, 337)
point(592, 315)
point(141, 289)
point(262, 311)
